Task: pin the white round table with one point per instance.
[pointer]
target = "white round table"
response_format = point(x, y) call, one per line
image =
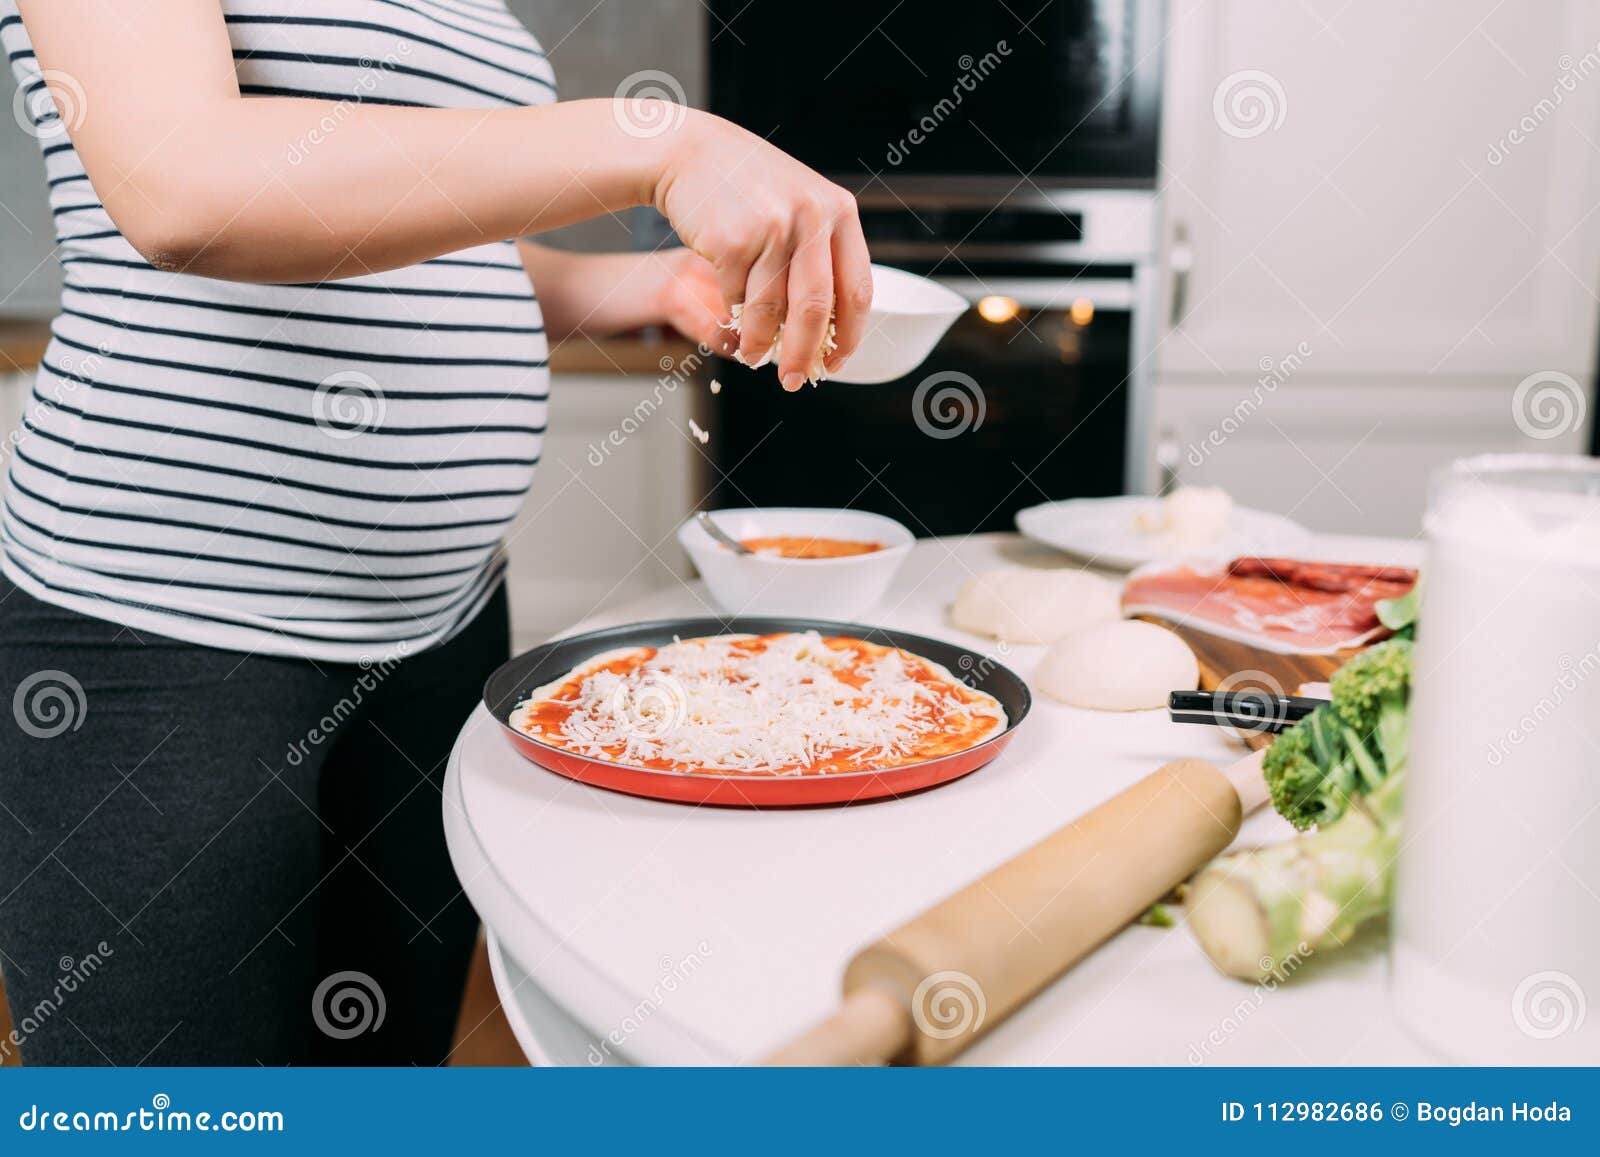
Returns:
point(627, 930)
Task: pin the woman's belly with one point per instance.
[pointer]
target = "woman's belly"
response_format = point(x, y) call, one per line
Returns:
point(364, 438)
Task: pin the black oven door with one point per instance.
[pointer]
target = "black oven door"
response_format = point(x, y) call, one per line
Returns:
point(1063, 90)
point(1005, 413)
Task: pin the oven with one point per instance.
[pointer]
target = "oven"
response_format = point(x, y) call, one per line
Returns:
point(1009, 154)
point(1033, 395)
point(1061, 90)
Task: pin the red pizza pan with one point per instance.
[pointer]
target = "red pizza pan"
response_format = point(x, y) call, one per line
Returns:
point(516, 679)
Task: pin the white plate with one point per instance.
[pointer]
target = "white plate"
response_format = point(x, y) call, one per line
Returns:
point(1103, 531)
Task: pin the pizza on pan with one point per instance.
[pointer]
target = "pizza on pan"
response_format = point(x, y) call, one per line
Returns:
point(783, 704)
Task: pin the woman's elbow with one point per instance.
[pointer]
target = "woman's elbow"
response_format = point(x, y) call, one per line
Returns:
point(178, 237)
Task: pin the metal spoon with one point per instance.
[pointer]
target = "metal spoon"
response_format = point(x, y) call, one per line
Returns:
point(721, 535)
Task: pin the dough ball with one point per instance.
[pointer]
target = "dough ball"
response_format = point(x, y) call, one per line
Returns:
point(1198, 514)
point(1121, 666)
point(1031, 605)
point(1190, 516)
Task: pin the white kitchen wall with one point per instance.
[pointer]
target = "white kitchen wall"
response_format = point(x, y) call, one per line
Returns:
point(29, 279)
point(596, 46)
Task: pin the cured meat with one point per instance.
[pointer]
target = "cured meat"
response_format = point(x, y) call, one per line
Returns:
point(1279, 604)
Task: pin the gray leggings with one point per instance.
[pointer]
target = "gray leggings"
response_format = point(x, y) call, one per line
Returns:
point(214, 858)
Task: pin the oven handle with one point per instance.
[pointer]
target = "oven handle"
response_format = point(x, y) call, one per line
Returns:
point(1105, 293)
point(1169, 456)
point(1180, 259)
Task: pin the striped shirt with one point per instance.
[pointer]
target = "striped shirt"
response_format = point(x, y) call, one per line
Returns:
point(325, 470)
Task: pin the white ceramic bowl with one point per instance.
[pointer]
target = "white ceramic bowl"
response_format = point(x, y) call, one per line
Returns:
point(823, 588)
point(908, 317)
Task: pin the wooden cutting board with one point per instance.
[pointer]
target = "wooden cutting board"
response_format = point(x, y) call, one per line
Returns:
point(1236, 666)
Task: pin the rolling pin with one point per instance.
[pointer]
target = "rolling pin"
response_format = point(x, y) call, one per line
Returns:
point(931, 987)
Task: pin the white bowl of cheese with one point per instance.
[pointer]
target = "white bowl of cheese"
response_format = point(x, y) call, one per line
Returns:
point(908, 317)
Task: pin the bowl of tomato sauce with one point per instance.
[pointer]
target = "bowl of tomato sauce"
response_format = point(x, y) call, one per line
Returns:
point(813, 561)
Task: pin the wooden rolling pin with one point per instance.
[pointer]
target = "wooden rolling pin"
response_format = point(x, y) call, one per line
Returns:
point(930, 988)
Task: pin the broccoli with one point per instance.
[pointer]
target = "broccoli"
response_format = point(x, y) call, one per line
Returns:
point(1342, 769)
point(1348, 747)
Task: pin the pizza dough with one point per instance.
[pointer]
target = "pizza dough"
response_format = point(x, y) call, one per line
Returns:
point(1032, 605)
point(1121, 666)
point(1190, 517)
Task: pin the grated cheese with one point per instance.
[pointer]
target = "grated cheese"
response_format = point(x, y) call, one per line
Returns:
point(817, 372)
point(702, 704)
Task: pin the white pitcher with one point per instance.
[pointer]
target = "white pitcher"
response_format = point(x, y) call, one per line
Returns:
point(1496, 939)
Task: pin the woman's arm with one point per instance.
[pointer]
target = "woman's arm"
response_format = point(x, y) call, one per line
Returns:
point(199, 179)
point(612, 293)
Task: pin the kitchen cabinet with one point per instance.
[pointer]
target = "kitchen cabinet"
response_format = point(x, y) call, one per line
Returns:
point(1406, 193)
point(616, 478)
point(1351, 456)
point(13, 401)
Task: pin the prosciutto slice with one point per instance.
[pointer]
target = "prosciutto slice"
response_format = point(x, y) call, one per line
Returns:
point(1278, 604)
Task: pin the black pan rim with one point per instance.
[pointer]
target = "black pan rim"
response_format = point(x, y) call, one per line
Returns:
point(605, 638)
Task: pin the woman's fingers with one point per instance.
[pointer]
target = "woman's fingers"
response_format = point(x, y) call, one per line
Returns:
point(697, 318)
point(852, 285)
point(693, 303)
point(805, 328)
point(766, 299)
point(787, 244)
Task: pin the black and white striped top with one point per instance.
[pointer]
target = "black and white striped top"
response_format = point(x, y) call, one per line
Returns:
point(323, 470)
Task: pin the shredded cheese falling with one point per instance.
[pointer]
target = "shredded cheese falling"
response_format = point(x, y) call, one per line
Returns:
point(816, 372)
point(704, 704)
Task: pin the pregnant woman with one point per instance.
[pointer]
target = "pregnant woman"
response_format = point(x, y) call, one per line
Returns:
point(253, 518)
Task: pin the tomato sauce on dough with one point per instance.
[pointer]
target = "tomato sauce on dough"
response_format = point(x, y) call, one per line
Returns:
point(954, 729)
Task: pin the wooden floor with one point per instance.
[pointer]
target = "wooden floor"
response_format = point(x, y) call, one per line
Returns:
point(482, 1035)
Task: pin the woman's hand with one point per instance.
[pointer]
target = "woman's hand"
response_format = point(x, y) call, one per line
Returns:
point(689, 299)
point(778, 237)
